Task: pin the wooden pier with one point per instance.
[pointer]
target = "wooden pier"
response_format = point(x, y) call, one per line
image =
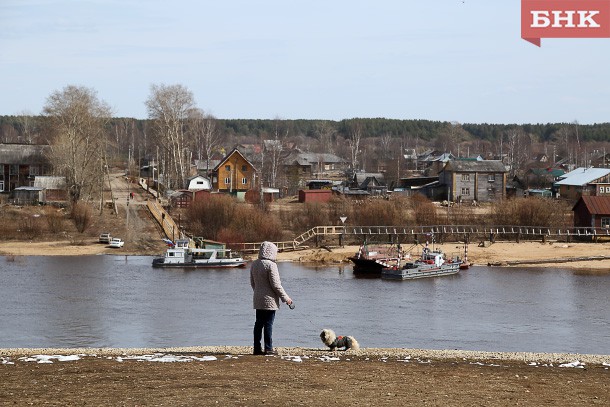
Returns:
point(440, 233)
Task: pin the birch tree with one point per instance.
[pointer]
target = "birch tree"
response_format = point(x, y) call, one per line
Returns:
point(207, 136)
point(168, 107)
point(353, 140)
point(76, 120)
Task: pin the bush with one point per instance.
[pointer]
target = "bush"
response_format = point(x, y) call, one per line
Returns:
point(223, 219)
point(81, 215)
point(532, 211)
point(424, 211)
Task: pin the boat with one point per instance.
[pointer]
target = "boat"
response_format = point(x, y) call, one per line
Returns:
point(432, 263)
point(371, 260)
point(182, 256)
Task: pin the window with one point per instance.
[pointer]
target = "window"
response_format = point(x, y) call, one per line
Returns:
point(228, 167)
point(34, 170)
point(227, 181)
point(1, 186)
point(491, 177)
point(13, 169)
point(244, 168)
point(466, 191)
point(465, 177)
point(606, 222)
point(244, 181)
point(602, 190)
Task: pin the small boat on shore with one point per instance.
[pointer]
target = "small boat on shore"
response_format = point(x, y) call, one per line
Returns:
point(432, 263)
point(180, 255)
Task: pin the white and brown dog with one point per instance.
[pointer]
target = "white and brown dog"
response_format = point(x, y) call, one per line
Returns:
point(337, 342)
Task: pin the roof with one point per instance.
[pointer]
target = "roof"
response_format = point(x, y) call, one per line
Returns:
point(50, 182)
point(583, 176)
point(554, 172)
point(476, 166)
point(365, 178)
point(234, 151)
point(596, 205)
point(23, 153)
point(306, 159)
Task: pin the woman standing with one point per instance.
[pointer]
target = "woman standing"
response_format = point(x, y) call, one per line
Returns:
point(268, 290)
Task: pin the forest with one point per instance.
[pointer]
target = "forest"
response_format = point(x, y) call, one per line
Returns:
point(30, 129)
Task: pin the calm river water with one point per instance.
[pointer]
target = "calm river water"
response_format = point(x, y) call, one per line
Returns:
point(118, 301)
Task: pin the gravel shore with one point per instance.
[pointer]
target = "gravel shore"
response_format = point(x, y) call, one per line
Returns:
point(527, 357)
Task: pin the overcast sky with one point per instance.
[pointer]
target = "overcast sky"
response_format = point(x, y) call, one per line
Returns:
point(448, 60)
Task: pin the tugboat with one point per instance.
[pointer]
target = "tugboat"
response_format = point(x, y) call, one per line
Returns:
point(182, 256)
point(431, 263)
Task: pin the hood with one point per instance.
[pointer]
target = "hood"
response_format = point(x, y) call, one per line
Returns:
point(268, 251)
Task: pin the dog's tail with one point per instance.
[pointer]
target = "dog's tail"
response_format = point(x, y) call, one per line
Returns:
point(354, 345)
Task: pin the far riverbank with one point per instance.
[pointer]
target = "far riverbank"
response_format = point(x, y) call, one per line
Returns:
point(500, 253)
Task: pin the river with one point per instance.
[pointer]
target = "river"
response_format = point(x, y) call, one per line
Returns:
point(121, 301)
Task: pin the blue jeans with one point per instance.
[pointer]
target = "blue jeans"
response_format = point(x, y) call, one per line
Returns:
point(264, 323)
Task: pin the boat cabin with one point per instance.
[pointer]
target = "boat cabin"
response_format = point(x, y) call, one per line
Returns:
point(435, 257)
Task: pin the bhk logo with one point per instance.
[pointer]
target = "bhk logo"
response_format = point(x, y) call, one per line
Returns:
point(564, 19)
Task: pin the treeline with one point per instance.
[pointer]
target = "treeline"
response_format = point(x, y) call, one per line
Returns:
point(30, 129)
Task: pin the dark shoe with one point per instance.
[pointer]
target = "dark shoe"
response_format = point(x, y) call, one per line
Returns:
point(270, 352)
point(258, 352)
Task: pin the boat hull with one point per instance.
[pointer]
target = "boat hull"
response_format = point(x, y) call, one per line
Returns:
point(369, 266)
point(423, 271)
point(160, 262)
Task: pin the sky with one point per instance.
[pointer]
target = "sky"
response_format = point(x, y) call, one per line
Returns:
point(446, 60)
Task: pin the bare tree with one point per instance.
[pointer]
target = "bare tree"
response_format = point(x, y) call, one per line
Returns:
point(353, 140)
point(385, 144)
point(207, 137)
point(274, 148)
point(168, 107)
point(326, 135)
point(77, 137)
point(28, 126)
point(519, 147)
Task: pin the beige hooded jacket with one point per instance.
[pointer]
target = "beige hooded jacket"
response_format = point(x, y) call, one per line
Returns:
point(265, 279)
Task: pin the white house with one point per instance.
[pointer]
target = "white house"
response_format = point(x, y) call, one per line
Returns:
point(198, 183)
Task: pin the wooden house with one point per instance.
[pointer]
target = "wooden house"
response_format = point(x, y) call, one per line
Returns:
point(371, 182)
point(235, 174)
point(483, 181)
point(592, 211)
point(584, 181)
point(20, 163)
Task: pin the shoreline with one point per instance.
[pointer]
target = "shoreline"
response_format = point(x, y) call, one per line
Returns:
point(429, 354)
point(577, 256)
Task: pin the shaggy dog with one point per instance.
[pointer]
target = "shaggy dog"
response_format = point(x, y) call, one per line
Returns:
point(337, 342)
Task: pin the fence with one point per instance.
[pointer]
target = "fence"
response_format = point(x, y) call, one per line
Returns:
point(439, 233)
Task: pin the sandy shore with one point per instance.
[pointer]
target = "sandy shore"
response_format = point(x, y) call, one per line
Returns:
point(500, 253)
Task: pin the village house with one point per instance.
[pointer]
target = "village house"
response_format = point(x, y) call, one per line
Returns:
point(198, 183)
point(234, 174)
point(307, 165)
point(584, 181)
point(482, 181)
point(55, 187)
point(592, 211)
point(371, 182)
point(20, 164)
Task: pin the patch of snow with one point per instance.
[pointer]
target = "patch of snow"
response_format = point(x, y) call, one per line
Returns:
point(297, 359)
point(576, 364)
point(50, 358)
point(328, 359)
